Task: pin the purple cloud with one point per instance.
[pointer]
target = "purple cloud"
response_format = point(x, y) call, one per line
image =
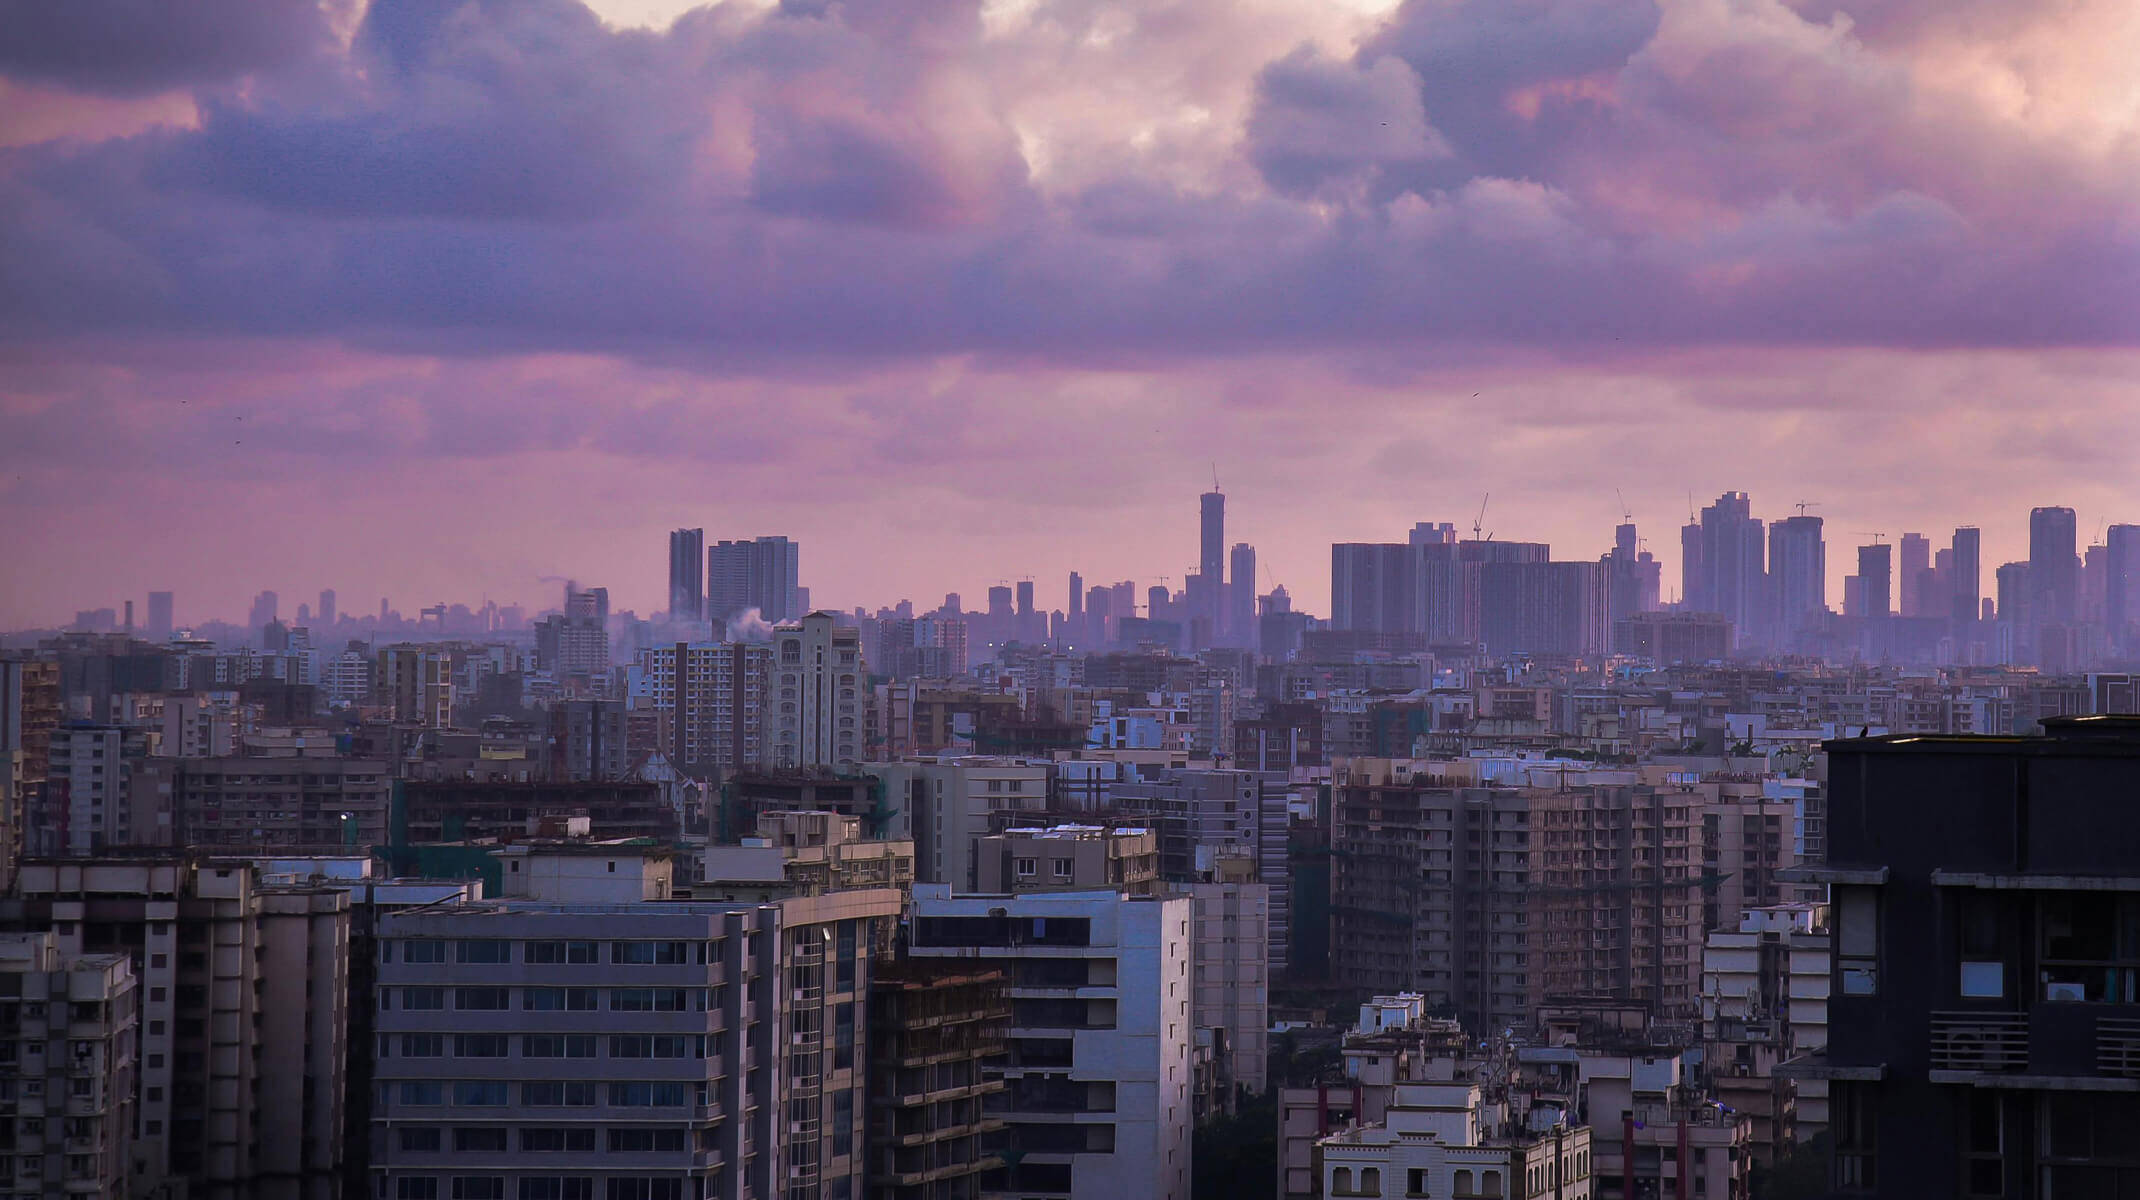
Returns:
point(133, 47)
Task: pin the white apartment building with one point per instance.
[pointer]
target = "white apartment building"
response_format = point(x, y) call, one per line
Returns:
point(1436, 1140)
point(1098, 1105)
point(818, 695)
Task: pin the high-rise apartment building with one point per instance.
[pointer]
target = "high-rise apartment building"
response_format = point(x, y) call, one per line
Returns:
point(1098, 1103)
point(1983, 1037)
point(29, 712)
point(69, 1028)
point(2121, 586)
point(1798, 575)
point(817, 694)
point(582, 649)
point(765, 574)
point(1735, 581)
point(415, 685)
point(90, 802)
point(1240, 623)
point(687, 579)
point(292, 805)
point(264, 611)
point(1211, 554)
point(659, 1051)
point(160, 623)
point(934, 1031)
point(1876, 576)
point(327, 611)
point(2054, 567)
point(1489, 899)
point(1913, 562)
point(712, 696)
point(243, 1010)
point(1967, 576)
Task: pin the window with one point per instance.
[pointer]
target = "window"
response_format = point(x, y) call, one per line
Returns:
point(648, 1000)
point(419, 1139)
point(1983, 970)
point(641, 1045)
point(563, 952)
point(558, 999)
point(1027, 868)
point(419, 999)
point(1853, 1122)
point(557, 1188)
point(1415, 1182)
point(1466, 1184)
point(416, 1188)
point(479, 1140)
point(1857, 945)
point(644, 1095)
point(1061, 867)
point(478, 1187)
point(557, 1045)
point(843, 1122)
point(843, 1037)
point(421, 1092)
point(423, 1045)
point(1371, 1181)
point(644, 1189)
point(484, 950)
point(480, 1093)
point(1341, 1181)
point(423, 951)
point(481, 1045)
point(646, 1141)
point(2090, 947)
point(576, 1093)
point(482, 999)
point(646, 953)
point(1983, 1144)
point(557, 1141)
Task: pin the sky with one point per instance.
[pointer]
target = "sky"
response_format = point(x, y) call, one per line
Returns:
point(439, 299)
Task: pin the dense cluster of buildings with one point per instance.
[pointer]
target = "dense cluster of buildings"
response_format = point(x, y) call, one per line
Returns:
point(1508, 879)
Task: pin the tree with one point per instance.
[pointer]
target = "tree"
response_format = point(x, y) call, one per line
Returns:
point(1236, 1157)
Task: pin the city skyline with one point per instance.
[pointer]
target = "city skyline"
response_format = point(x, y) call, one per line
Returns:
point(1308, 588)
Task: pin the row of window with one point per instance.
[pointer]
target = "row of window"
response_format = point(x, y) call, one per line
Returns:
point(554, 999)
point(431, 1139)
point(542, 1045)
point(569, 1093)
point(492, 1187)
point(500, 950)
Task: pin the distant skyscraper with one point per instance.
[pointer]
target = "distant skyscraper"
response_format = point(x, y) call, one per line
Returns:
point(2054, 566)
point(765, 574)
point(327, 608)
point(1374, 587)
point(1241, 597)
point(1693, 589)
point(1968, 572)
point(160, 617)
point(1913, 560)
point(687, 583)
point(1798, 574)
point(1211, 561)
point(264, 610)
point(1734, 577)
point(1876, 575)
point(1632, 574)
point(2121, 587)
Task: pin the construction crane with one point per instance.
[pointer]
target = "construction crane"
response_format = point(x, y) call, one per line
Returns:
point(1479, 521)
point(1626, 513)
point(1876, 537)
point(1803, 505)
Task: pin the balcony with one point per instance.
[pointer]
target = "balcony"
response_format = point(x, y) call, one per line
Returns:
point(1978, 1042)
point(2117, 1047)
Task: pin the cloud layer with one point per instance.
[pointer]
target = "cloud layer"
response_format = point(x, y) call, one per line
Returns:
point(504, 231)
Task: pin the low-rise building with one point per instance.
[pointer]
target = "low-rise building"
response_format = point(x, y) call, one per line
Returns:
point(804, 854)
point(1440, 1139)
point(1063, 858)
